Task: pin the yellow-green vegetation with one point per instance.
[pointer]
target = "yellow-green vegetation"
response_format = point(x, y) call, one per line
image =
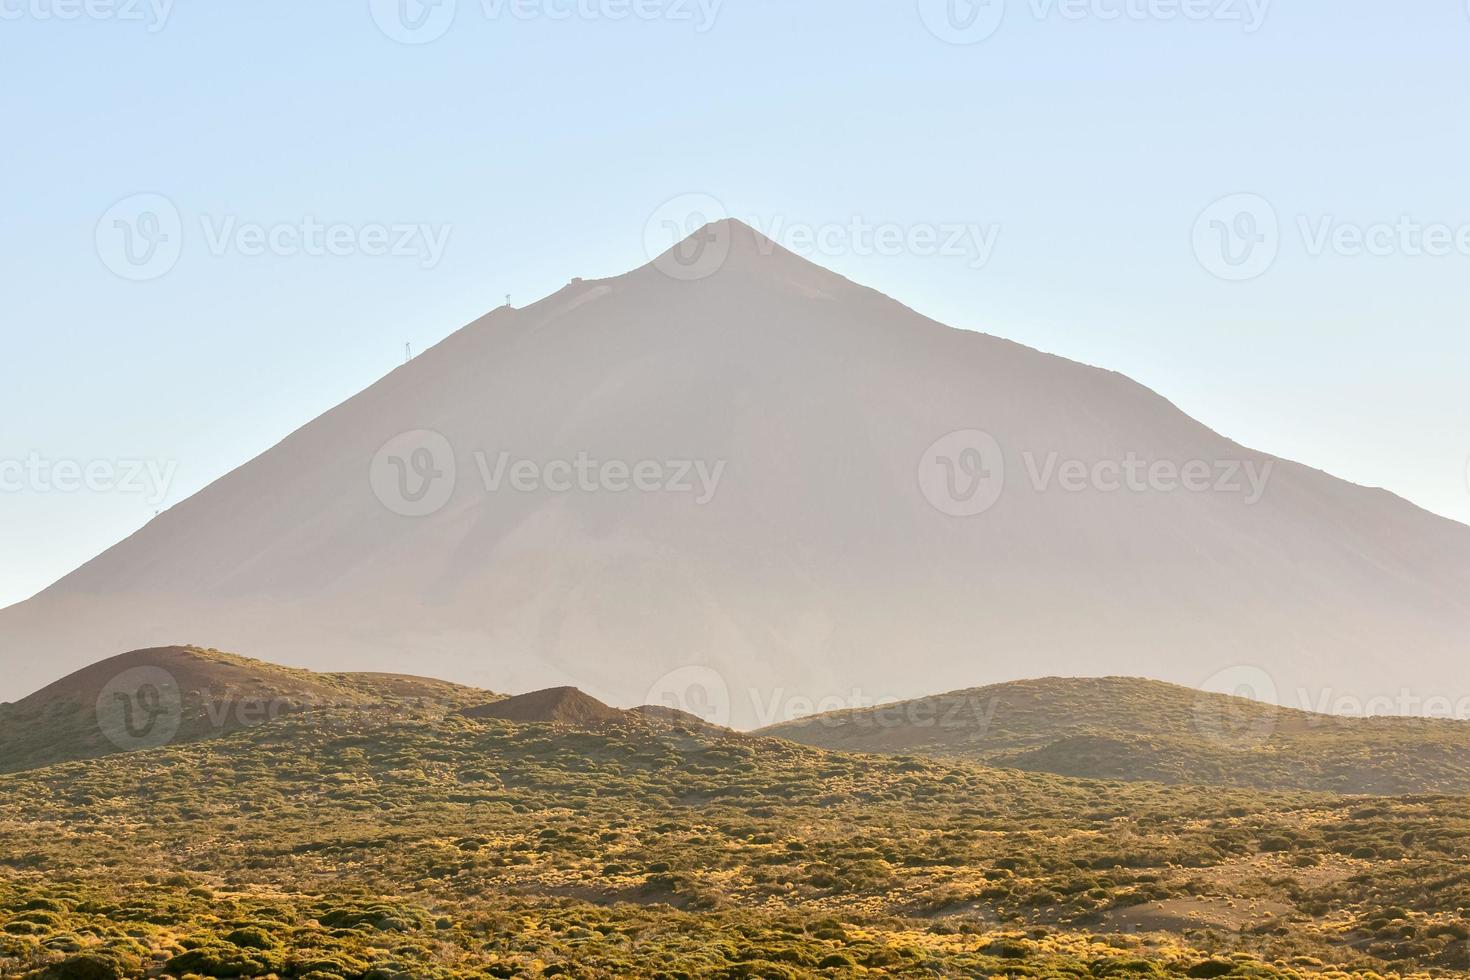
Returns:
point(1129, 729)
point(408, 841)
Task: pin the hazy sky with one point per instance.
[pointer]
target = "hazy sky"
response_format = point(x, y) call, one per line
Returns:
point(1070, 151)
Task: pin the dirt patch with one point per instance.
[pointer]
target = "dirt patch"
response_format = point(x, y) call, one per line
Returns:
point(1178, 915)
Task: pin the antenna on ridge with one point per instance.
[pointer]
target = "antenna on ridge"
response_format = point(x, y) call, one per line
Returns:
point(407, 353)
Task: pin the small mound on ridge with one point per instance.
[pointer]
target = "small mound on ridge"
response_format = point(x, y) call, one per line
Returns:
point(555, 706)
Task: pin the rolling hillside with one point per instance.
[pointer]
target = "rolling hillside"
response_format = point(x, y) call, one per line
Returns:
point(1131, 729)
point(340, 843)
point(149, 698)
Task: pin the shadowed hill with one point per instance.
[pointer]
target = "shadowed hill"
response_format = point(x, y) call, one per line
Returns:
point(571, 708)
point(1131, 729)
point(557, 705)
point(149, 698)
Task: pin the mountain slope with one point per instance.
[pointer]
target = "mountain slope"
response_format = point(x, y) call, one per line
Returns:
point(817, 565)
point(1131, 729)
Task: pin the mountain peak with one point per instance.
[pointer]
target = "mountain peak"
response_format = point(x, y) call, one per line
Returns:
point(730, 245)
point(744, 235)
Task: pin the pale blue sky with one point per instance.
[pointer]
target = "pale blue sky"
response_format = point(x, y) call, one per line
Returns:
point(546, 143)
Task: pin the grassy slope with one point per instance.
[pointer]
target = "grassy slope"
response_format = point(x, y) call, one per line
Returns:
point(361, 843)
point(1124, 728)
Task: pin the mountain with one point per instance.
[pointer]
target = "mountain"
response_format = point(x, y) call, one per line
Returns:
point(419, 843)
point(1130, 729)
point(150, 698)
point(793, 538)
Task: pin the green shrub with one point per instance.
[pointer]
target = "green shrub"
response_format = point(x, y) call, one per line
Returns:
point(88, 966)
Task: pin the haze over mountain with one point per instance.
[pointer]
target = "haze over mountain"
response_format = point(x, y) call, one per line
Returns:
point(794, 546)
